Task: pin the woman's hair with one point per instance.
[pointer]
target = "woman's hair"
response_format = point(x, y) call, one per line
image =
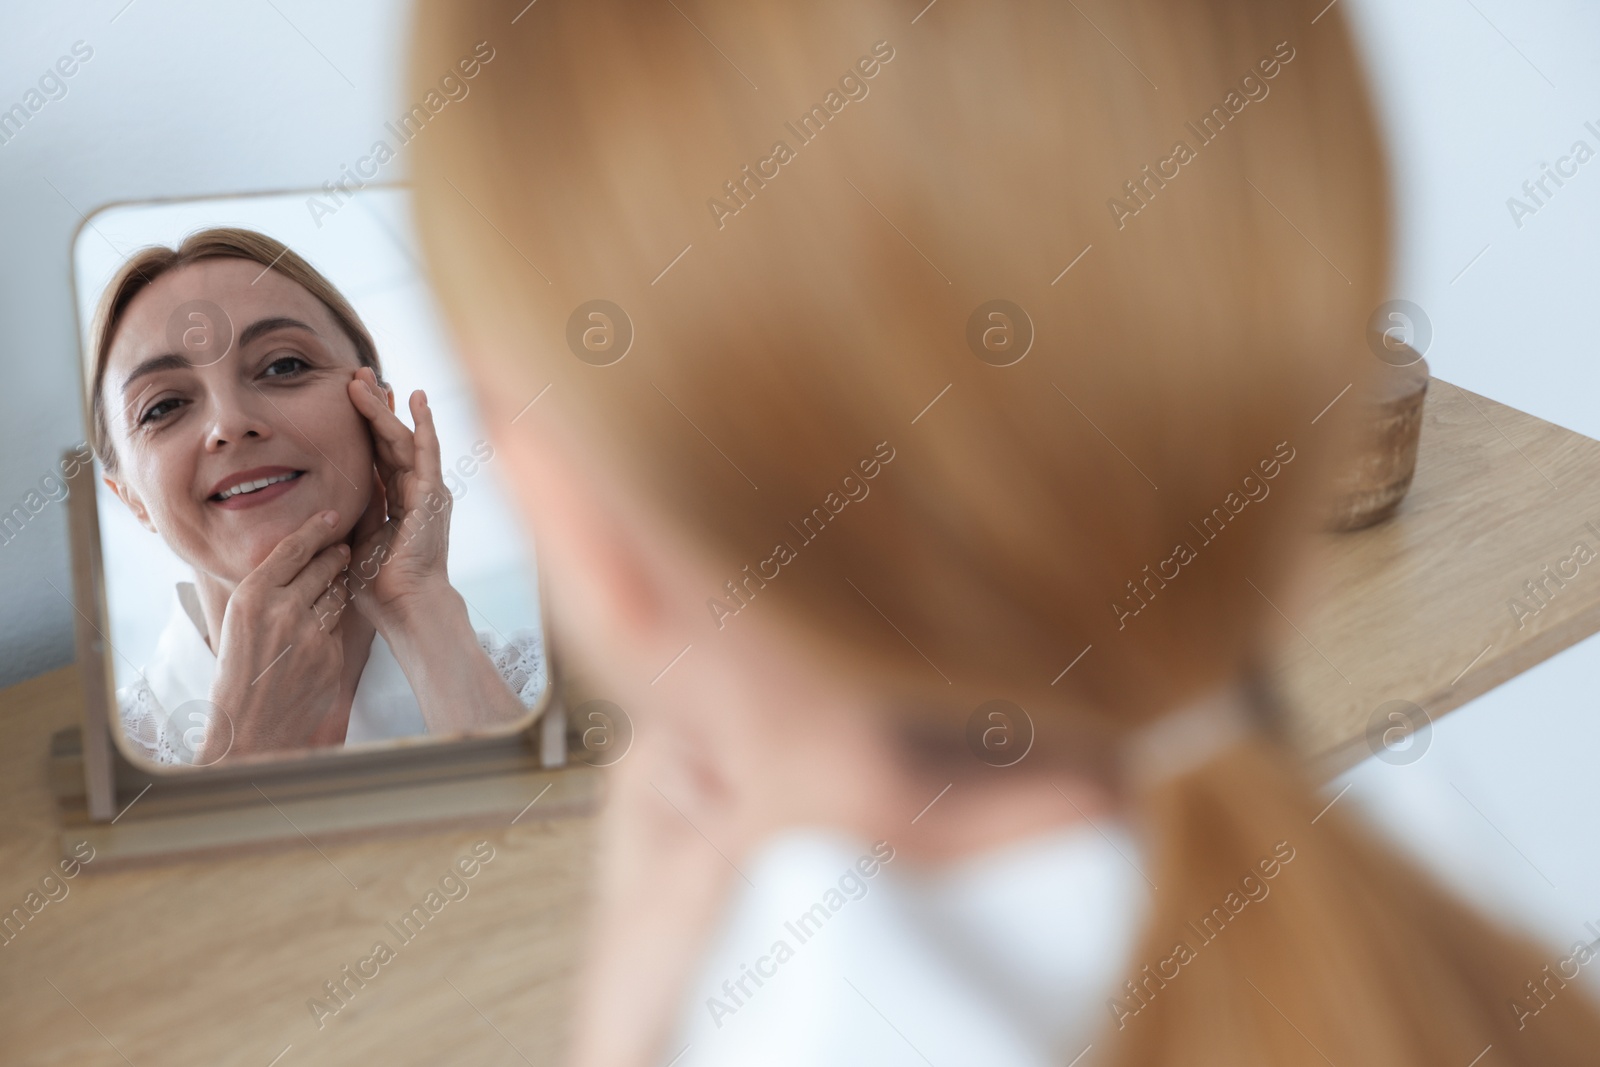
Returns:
point(148, 264)
point(802, 229)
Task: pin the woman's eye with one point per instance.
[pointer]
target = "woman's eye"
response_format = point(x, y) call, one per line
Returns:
point(159, 410)
point(285, 367)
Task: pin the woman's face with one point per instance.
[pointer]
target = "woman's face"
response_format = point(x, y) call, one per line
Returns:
point(197, 423)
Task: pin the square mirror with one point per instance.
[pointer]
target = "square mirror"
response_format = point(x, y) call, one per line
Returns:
point(240, 386)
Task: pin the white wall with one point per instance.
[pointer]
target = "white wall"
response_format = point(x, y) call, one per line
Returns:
point(179, 98)
point(1472, 117)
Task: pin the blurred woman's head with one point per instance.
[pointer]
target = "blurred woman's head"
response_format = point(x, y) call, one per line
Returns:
point(219, 397)
point(787, 317)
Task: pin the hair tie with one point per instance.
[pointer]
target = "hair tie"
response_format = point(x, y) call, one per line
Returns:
point(1184, 739)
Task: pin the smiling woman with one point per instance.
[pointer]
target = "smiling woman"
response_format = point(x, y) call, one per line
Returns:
point(270, 461)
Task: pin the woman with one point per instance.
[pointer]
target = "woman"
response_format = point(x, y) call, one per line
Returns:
point(239, 411)
point(836, 509)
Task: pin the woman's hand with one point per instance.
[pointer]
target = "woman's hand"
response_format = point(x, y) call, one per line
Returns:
point(281, 653)
point(401, 543)
point(656, 884)
point(399, 579)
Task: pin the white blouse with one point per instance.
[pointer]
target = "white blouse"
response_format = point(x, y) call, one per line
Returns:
point(1007, 959)
point(164, 711)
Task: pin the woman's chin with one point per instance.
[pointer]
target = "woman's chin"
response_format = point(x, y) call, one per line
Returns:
point(255, 545)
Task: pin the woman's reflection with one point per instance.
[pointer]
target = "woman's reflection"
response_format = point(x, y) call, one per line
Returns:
point(240, 412)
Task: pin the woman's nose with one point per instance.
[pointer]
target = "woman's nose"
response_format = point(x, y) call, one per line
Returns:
point(236, 419)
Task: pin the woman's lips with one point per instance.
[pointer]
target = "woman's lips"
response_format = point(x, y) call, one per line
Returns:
point(260, 496)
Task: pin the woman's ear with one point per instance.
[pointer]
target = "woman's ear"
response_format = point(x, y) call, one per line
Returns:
point(131, 499)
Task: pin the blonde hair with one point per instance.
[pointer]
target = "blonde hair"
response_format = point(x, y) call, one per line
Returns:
point(146, 265)
point(1190, 317)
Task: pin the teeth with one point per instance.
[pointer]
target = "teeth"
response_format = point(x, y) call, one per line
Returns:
point(255, 486)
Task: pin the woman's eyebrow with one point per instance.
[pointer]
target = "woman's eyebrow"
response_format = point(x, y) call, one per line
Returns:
point(173, 361)
point(170, 361)
point(265, 326)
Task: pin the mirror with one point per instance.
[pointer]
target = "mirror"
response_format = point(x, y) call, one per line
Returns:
point(245, 393)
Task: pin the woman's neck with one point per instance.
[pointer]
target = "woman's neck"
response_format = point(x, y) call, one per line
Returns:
point(213, 594)
point(802, 747)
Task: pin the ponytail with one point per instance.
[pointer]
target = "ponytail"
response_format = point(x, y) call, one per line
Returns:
point(1284, 932)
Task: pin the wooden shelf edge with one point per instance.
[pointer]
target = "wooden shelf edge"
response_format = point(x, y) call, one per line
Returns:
point(1484, 677)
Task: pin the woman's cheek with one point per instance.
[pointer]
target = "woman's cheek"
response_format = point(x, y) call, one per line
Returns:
point(171, 506)
point(348, 442)
point(164, 481)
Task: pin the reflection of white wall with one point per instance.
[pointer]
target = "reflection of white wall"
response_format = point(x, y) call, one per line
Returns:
point(367, 251)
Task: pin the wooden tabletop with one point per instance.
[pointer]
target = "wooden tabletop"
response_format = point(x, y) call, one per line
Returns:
point(213, 962)
point(1423, 607)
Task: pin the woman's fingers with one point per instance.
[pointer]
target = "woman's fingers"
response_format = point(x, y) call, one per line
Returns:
point(427, 461)
point(392, 437)
point(405, 458)
point(329, 607)
point(291, 555)
point(313, 580)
